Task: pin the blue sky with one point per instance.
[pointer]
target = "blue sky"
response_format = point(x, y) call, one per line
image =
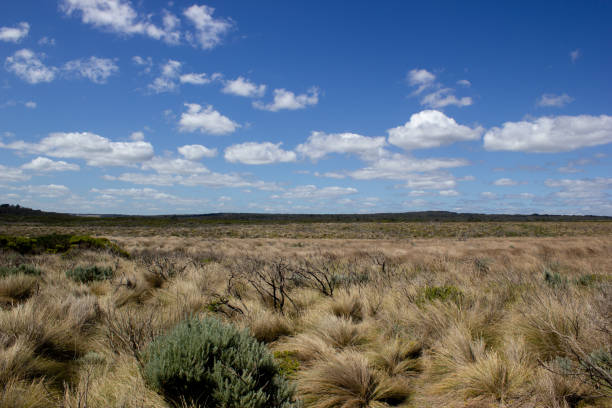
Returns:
point(117, 106)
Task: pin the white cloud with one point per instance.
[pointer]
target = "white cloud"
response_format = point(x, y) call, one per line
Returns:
point(445, 97)
point(195, 79)
point(208, 29)
point(488, 195)
point(329, 174)
point(581, 188)
point(284, 99)
point(44, 165)
point(448, 193)
point(574, 55)
point(11, 174)
point(420, 78)
point(29, 67)
point(399, 167)
point(549, 100)
point(14, 34)
point(206, 120)
point(167, 81)
point(243, 87)
point(258, 153)
point(431, 128)
point(48, 191)
point(550, 134)
point(164, 165)
point(30, 105)
point(505, 182)
point(97, 70)
point(196, 152)
point(94, 149)
point(137, 136)
point(310, 192)
point(120, 17)
point(464, 82)
point(320, 144)
point(47, 41)
point(210, 179)
point(147, 63)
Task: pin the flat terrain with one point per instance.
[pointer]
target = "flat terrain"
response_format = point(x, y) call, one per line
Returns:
point(431, 314)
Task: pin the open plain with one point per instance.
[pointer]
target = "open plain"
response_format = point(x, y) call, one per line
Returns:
point(354, 314)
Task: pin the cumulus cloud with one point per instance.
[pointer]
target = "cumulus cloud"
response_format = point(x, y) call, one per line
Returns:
point(398, 167)
point(196, 152)
point(243, 87)
point(581, 188)
point(45, 165)
point(445, 97)
point(431, 128)
point(205, 120)
point(258, 153)
point(48, 191)
point(94, 149)
point(14, 34)
point(28, 66)
point(421, 78)
point(313, 192)
point(120, 17)
point(209, 30)
point(97, 70)
point(11, 174)
point(552, 100)
point(167, 81)
point(211, 179)
point(284, 99)
point(441, 96)
point(165, 165)
point(550, 134)
point(505, 182)
point(30, 105)
point(195, 79)
point(448, 193)
point(320, 144)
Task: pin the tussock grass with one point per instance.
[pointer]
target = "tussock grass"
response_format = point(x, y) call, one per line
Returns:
point(410, 323)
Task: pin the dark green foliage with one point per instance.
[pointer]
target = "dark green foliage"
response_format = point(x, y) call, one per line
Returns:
point(23, 269)
point(86, 274)
point(58, 243)
point(212, 364)
point(442, 293)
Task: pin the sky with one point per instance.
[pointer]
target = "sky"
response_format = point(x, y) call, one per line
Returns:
point(158, 107)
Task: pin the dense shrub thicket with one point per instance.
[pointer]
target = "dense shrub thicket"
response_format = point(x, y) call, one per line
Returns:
point(212, 364)
point(16, 270)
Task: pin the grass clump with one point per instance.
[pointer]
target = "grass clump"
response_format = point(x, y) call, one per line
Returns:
point(58, 243)
point(85, 274)
point(211, 364)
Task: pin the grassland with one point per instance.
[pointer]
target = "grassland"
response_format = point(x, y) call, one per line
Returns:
point(406, 314)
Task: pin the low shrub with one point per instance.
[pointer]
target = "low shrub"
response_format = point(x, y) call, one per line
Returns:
point(212, 364)
point(442, 293)
point(86, 274)
point(554, 279)
point(16, 270)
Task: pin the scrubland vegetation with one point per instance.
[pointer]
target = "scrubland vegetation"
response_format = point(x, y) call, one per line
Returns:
point(173, 321)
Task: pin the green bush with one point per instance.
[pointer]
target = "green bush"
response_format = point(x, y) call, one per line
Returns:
point(212, 364)
point(86, 274)
point(442, 293)
point(15, 270)
point(555, 279)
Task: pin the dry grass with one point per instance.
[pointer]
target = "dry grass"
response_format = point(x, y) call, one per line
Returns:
point(495, 322)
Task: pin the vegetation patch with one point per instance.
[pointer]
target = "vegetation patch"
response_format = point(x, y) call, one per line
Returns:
point(86, 274)
point(22, 269)
point(212, 364)
point(441, 293)
point(58, 243)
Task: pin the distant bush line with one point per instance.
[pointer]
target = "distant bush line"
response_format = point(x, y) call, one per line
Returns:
point(57, 243)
